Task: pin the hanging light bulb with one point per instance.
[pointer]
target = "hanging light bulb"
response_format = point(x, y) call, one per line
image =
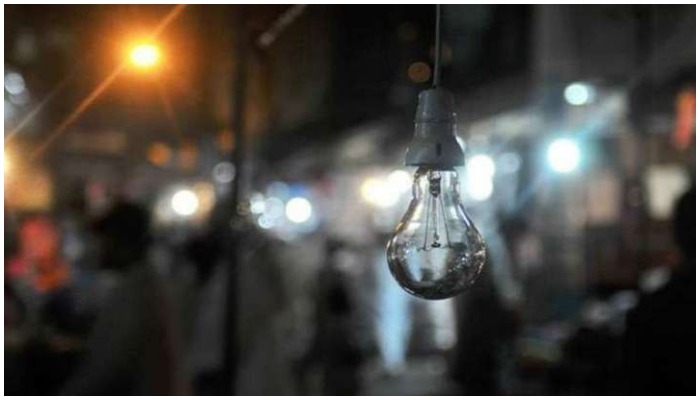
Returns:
point(436, 251)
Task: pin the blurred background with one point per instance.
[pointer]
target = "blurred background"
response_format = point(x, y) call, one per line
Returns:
point(198, 198)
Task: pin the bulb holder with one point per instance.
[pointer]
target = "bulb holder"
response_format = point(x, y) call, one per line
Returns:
point(434, 143)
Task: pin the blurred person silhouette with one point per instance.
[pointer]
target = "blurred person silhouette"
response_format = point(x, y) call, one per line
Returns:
point(262, 308)
point(659, 342)
point(14, 307)
point(207, 253)
point(264, 312)
point(486, 329)
point(45, 327)
point(76, 246)
point(589, 355)
point(335, 347)
point(206, 249)
point(15, 377)
point(38, 266)
point(131, 349)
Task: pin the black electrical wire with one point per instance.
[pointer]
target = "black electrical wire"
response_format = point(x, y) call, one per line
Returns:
point(438, 45)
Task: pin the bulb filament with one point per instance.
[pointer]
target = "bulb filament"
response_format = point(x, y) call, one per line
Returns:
point(431, 215)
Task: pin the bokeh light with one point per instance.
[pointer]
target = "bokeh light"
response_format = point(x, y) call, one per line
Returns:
point(578, 94)
point(376, 192)
point(298, 210)
point(185, 203)
point(159, 154)
point(257, 203)
point(563, 155)
point(223, 172)
point(14, 83)
point(479, 180)
point(419, 72)
point(400, 180)
point(274, 207)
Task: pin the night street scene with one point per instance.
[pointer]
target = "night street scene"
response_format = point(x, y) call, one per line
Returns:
point(349, 199)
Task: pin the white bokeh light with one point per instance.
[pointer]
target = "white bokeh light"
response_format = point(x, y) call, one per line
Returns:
point(578, 94)
point(266, 222)
point(480, 189)
point(378, 193)
point(298, 210)
point(481, 164)
point(223, 172)
point(563, 155)
point(274, 207)
point(480, 172)
point(14, 83)
point(257, 203)
point(185, 203)
point(400, 180)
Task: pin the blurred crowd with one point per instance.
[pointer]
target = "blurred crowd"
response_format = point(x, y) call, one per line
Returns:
point(104, 306)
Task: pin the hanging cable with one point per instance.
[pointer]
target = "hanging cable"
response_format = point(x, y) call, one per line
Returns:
point(438, 45)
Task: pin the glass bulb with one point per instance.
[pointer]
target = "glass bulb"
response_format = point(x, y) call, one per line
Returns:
point(436, 252)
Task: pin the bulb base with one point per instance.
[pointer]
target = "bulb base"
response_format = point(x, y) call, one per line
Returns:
point(434, 144)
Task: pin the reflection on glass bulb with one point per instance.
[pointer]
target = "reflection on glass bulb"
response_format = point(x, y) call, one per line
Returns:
point(436, 251)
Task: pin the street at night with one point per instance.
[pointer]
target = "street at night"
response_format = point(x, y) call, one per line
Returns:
point(349, 199)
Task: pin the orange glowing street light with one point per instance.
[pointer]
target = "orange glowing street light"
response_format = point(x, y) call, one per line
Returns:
point(144, 55)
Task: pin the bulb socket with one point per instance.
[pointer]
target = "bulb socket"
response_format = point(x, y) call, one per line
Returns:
point(434, 143)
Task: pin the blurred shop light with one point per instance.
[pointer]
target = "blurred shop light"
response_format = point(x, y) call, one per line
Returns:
point(480, 188)
point(298, 210)
point(579, 94)
point(257, 203)
point(685, 119)
point(665, 183)
point(274, 208)
point(265, 222)
point(16, 93)
point(206, 197)
point(481, 164)
point(400, 180)
point(14, 83)
point(377, 193)
point(419, 72)
point(184, 202)
point(159, 154)
point(563, 155)
point(223, 172)
point(479, 179)
point(654, 279)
